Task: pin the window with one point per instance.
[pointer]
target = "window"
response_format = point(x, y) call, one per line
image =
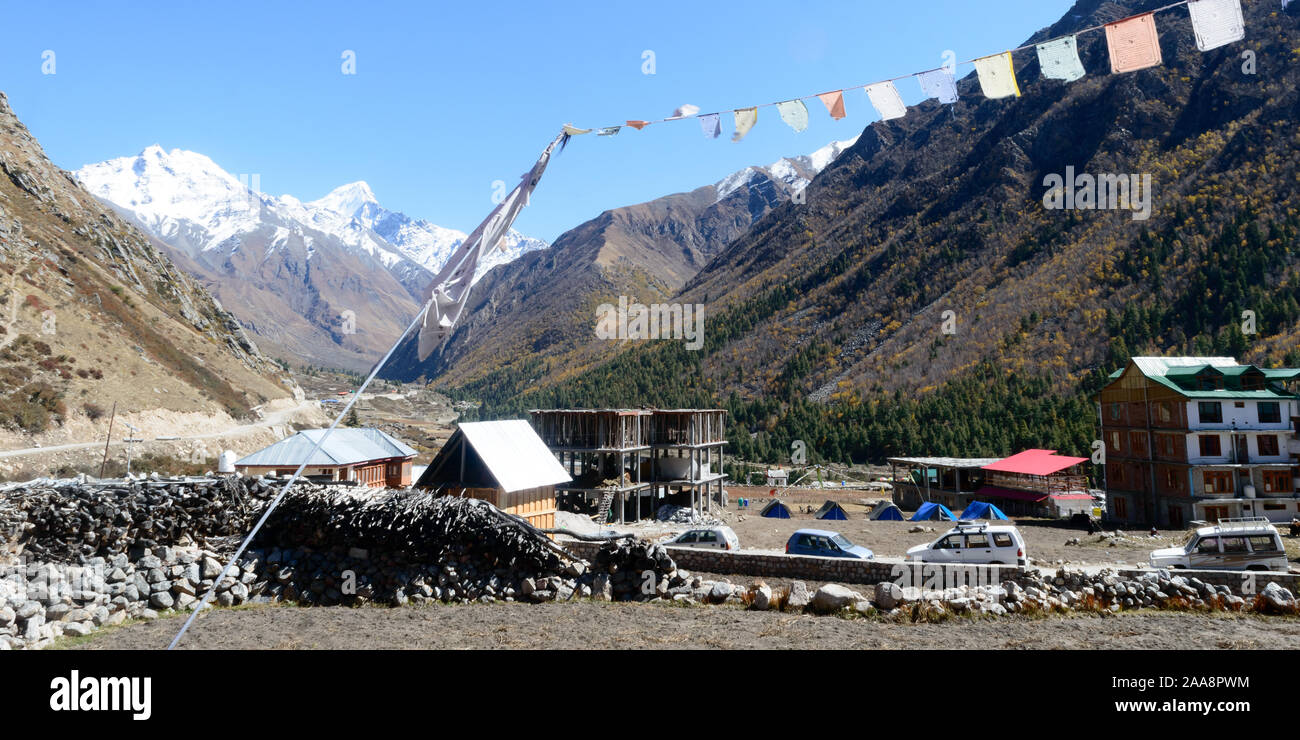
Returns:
point(1210, 412)
point(1166, 443)
point(1263, 543)
point(1121, 507)
point(1268, 444)
point(1218, 481)
point(694, 537)
point(1138, 443)
point(1116, 411)
point(1274, 507)
point(951, 542)
point(977, 540)
point(1210, 445)
point(1277, 481)
point(1001, 539)
point(1171, 480)
point(1166, 411)
point(708, 536)
point(1269, 412)
point(1234, 544)
point(1115, 446)
point(1208, 545)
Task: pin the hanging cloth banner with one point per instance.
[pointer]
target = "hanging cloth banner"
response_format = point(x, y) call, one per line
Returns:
point(447, 294)
point(572, 131)
point(1134, 44)
point(834, 102)
point(886, 100)
point(997, 76)
point(745, 120)
point(638, 125)
point(939, 83)
point(794, 113)
point(712, 125)
point(1217, 22)
point(1059, 59)
point(608, 130)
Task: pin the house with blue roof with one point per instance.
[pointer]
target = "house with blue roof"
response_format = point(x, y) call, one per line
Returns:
point(359, 456)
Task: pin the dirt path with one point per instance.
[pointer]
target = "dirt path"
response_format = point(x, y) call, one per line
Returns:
point(585, 625)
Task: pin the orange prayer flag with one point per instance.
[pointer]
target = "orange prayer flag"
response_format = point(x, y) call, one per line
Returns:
point(638, 125)
point(1134, 44)
point(834, 102)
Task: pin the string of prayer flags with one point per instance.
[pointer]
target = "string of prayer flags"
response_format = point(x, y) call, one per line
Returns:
point(794, 113)
point(939, 83)
point(638, 125)
point(1059, 59)
point(711, 125)
point(608, 130)
point(885, 99)
point(574, 131)
point(1134, 43)
point(997, 76)
point(834, 102)
point(1216, 22)
point(745, 120)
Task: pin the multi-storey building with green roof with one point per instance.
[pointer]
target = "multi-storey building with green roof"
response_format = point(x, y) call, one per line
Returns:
point(1200, 438)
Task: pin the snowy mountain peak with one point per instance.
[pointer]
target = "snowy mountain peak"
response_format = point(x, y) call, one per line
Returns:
point(796, 172)
point(347, 199)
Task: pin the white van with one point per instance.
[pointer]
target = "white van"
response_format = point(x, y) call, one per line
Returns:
point(974, 544)
point(708, 538)
point(1249, 543)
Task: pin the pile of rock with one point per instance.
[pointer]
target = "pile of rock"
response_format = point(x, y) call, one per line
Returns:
point(72, 520)
point(40, 601)
point(684, 515)
point(1035, 593)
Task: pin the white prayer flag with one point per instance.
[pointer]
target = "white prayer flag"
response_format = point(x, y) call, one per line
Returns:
point(886, 100)
point(711, 125)
point(1059, 59)
point(1216, 22)
point(939, 83)
point(997, 76)
point(794, 113)
point(745, 120)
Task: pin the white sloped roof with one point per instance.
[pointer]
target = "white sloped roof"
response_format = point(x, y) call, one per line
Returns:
point(514, 454)
point(344, 446)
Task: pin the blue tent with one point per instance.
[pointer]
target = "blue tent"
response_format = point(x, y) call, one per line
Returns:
point(981, 510)
point(932, 511)
point(775, 510)
point(887, 512)
point(832, 510)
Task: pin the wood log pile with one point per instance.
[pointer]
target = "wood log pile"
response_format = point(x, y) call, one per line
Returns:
point(71, 520)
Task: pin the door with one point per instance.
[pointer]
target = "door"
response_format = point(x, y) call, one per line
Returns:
point(1205, 554)
point(978, 549)
point(946, 550)
point(1239, 444)
point(1214, 513)
point(1175, 517)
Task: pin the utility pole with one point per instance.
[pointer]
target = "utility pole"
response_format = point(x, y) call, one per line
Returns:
point(108, 439)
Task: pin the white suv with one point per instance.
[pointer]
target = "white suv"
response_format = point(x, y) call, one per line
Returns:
point(1250, 543)
point(975, 544)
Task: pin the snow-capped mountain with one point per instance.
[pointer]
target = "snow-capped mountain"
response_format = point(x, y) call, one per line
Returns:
point(796, 172)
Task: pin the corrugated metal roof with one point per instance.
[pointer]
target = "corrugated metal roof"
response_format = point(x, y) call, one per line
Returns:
point(1159, 370)
point(514, 454)
point(946, 462)
point(342, 447)
point(1035, 462)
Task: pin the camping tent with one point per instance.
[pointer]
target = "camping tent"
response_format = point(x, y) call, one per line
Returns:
point(981, 510)
point(832, 510)
point(932, 510)
point(887, 511)
point(775, 510)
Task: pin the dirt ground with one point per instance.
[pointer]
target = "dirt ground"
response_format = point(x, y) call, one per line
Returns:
point(588, 624)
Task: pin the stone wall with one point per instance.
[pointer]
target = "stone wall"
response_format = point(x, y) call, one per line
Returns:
point(1242, 583)
point(837, 570)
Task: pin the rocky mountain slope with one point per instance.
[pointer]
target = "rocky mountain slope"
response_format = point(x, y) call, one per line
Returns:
point(329, 282)
point(91, 312)
point(542, 307)
point(829, 320)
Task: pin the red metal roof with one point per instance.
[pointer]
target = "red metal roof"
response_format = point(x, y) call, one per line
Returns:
point(1034, 462)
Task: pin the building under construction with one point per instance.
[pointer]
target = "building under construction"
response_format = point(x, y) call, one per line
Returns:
point(629, 462)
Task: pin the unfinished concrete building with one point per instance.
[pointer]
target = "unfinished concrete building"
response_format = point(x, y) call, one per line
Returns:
point(632, 461)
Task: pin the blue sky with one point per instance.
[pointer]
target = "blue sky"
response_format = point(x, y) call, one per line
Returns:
point(449, 97)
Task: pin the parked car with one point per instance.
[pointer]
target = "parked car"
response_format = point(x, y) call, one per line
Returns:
point(1250, 543)
point(825, 543)
point(974, 544)
point(709, 538)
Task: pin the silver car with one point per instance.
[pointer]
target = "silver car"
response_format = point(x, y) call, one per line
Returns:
point(709, 538)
